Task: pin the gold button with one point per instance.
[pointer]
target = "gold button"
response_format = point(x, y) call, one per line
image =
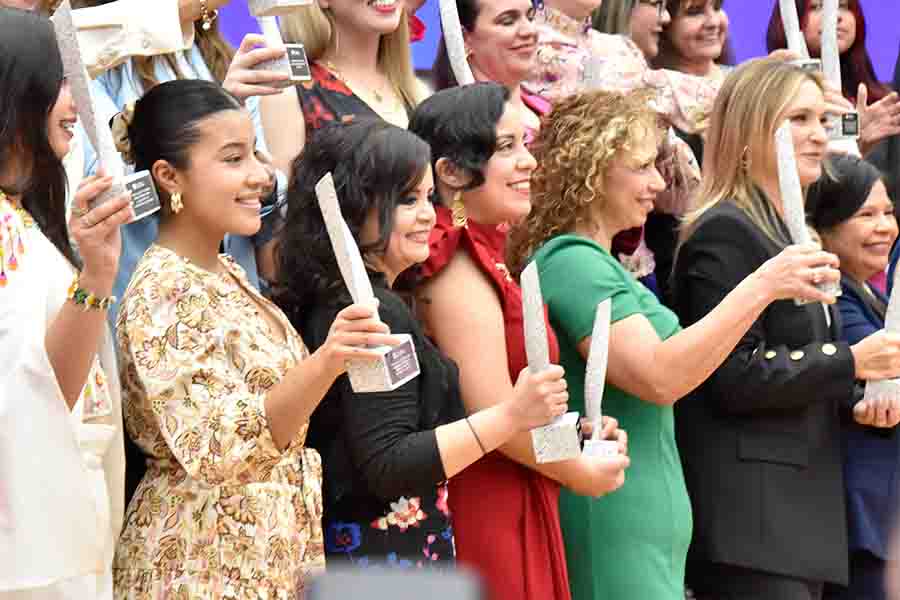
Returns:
point(797, 355)
point(770, 354)
point(829, 349)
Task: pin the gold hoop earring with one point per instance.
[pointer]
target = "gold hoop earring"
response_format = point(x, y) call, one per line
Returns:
point(746, 159)
point(175, 203)
point(458, 211)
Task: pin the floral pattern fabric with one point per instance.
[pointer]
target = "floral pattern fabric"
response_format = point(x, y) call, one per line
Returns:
point(326, 100)
point(221, 511)
point(408, 533)
point(571, 56)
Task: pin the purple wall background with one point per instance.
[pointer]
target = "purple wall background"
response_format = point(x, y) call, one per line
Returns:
point(749, 19)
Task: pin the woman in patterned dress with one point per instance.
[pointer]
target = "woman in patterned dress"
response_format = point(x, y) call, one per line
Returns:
point(62, 463)
point(218, 387)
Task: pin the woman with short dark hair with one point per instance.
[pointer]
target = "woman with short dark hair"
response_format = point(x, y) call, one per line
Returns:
point(855, 219)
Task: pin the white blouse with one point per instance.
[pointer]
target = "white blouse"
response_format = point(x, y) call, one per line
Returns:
point(62, 473)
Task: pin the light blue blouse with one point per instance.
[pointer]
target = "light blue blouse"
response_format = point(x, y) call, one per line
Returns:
point(112, 91)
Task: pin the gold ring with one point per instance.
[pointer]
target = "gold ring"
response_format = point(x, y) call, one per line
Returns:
point(78, 213)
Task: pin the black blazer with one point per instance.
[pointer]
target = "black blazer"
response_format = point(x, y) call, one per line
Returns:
point(760, 439)
point(379, 446)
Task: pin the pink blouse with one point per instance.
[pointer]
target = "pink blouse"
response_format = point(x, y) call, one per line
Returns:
point(571, 56)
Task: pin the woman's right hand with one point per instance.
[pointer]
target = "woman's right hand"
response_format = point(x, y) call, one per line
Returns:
point(538, 398)
point(795, 272)
point(243, 79)
point(95, 231)
point(354, 330)
point(600, 475)
point(877, 356)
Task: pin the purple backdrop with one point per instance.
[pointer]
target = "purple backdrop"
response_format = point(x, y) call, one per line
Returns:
point(749, 19)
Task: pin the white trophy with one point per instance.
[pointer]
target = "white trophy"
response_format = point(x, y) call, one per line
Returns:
point(795, 41)
point(792, 198)
point(275, 8)
point(561, 439)
point(453, 40)
point(144, 198)
point(396, 365)
point(595, 381)
point(843, 130)
point(294, 63)
point(887, 389)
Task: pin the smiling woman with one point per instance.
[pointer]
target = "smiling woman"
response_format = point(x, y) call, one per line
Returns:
point(760, 439)
point(218, 385)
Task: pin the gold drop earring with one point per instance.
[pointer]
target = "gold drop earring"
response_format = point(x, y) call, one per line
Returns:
point(458, 211)
point(175, 203)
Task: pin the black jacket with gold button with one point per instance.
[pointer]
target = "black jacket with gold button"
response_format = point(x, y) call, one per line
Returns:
point(760, 438)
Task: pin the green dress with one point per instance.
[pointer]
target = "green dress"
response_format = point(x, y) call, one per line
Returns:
point(631, 544)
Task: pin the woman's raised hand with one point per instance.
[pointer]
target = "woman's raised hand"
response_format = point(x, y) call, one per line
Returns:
point(95, 231)
point(243, 80)
point(354, 331)
point(796, 271)
point(538, 398)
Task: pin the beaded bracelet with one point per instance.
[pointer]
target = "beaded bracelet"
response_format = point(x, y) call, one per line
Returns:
point(86, 299)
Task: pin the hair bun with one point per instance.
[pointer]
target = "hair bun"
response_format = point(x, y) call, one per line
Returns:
point(120, 125)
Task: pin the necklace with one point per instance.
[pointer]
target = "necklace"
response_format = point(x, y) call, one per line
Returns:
point(27, 219)
point(376, 94)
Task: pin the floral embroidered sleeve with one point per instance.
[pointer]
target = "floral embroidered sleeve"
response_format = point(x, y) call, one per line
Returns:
point(684, 100)
point(196, 383)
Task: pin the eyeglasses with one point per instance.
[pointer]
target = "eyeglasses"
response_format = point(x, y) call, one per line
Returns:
point(659, 5)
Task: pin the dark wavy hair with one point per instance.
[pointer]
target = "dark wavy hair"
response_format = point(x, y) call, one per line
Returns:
point(667, 57)
point(167, 118)
point(460, 124)
point(856, 65)
point(442, 74)
point(31, 77)
point(374, 165)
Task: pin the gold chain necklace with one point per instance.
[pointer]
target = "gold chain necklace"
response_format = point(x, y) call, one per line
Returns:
point(379, 97)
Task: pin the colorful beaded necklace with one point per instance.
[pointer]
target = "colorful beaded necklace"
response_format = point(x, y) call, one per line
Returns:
point(12, 247)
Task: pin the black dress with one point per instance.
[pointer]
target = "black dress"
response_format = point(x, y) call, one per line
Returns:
point(384, 483)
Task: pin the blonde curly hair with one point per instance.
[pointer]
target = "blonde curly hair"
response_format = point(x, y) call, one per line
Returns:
point(577, 143)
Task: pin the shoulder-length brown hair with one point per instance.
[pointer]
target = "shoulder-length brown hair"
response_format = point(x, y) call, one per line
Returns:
point(577, 142)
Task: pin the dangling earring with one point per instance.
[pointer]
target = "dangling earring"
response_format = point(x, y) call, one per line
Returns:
point(458, 211)
point(176, 203)
point(746, 159)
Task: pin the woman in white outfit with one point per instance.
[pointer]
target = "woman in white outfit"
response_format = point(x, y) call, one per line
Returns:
point(61, 445)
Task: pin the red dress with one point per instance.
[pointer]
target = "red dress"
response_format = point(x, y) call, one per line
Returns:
point(505, 515)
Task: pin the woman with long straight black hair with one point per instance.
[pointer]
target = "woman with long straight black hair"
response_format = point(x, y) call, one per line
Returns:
point(61, 448)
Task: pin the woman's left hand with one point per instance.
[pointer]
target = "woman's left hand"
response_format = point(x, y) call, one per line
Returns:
point(872, 415)
point(877, 121)
point(610, 432)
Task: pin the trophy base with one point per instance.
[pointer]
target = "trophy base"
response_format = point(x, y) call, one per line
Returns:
point(395, 366)
point(294, 64)
point(881, 390)
point(843, 127)
point(831, 288)
point(560, 440)
point(813, 65)
point(601, 448)
point(275, 8)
